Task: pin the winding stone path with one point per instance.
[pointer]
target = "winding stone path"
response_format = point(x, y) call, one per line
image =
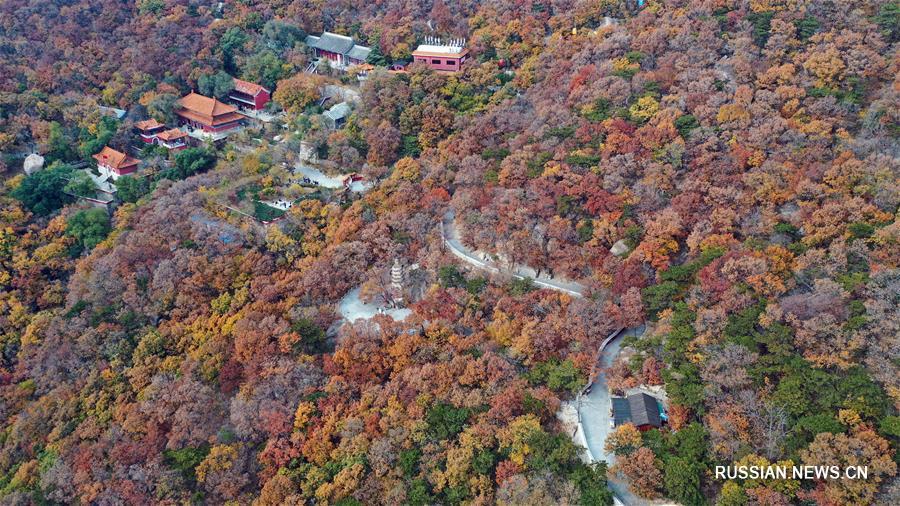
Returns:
point(594, 408)
point(450, 234)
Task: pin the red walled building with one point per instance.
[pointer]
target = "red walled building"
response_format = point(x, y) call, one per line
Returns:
point(208, 114)
point(173, 140)
point(249, 95)
point(441, 58)
point(148, 129)
point(114, 163)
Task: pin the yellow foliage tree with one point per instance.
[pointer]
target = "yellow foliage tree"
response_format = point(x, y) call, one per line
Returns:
point(624, 65)
point(279, 242)
point(625, 439)
point(861, 448)
point(299, 91)
point(523, 342)
point(220, 458)
point(342, 485)
point(515, 436)
point(502, 328)
point(459, 462)
point(732, 112)
point(407, 169)
point(827, 65)
point(644, 108)
point(766, 5)
point(302, 415)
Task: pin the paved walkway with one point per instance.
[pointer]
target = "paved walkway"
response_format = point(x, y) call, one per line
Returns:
point(594, 409)
point(352, 308)
point(480, 259)
point(321, 179)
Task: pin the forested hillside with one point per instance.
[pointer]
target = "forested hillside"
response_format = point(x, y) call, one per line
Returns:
point(725, 171)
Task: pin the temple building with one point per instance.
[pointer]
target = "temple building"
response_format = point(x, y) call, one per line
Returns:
point(247, 95)
point(148, 129)
point(208, 114)
point(336, 116)
point(173, 140)
point(114, 164)
point(640, 409)
point(340, 51)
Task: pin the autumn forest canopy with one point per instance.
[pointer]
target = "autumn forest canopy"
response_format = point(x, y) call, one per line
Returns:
point(721, 177)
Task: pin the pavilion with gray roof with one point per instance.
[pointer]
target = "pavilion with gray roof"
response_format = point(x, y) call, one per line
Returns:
point(640, 409)
point(337, 115)
point(340, 50)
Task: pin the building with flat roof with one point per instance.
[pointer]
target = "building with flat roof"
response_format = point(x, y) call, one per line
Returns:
point(442, 57)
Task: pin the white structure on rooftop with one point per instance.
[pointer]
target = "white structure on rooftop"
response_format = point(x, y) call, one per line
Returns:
point(442, 57)
point(436, 45)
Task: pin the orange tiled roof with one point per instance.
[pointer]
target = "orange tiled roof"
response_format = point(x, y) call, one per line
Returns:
point(115, 159)
point(205, 105)
point(206, 120)
point(149, 124)
point(249, 88)
point(171, 135)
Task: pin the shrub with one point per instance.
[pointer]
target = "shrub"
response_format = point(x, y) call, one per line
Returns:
point(89, 227)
